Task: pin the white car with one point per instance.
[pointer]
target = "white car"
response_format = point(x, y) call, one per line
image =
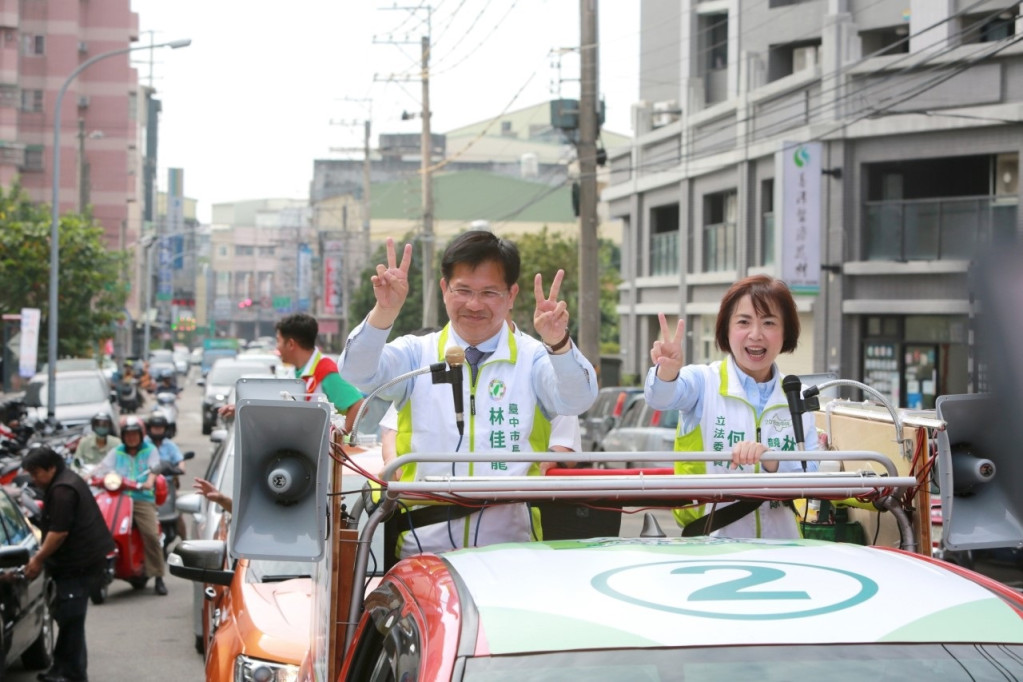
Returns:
point(80, 395)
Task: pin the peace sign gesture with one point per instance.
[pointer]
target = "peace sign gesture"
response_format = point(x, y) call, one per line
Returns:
point(390, 286)
point(667, 354)
point(550, 319)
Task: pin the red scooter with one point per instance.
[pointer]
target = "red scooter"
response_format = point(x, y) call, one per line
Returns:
point(127, 560)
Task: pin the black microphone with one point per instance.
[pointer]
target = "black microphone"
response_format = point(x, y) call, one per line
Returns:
point(455, 357)
point(792, 385)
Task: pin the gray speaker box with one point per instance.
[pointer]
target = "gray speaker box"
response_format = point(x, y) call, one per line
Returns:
point(979, 472)
point(280, 480)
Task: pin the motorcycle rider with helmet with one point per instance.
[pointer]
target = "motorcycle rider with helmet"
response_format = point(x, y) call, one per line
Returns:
point(137, 459)
point(170, 453)
point(94, 445)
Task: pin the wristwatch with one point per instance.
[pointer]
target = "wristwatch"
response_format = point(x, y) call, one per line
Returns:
point(559, 345)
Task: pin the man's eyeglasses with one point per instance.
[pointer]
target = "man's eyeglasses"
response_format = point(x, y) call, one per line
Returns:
point(465, 295)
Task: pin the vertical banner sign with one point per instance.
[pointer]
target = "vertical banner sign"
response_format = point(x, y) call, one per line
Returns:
point(29, 349)
point(304, 277)
point(801, 216)
point(333, 271)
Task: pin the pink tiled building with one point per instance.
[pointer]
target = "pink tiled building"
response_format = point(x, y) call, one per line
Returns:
point(103, 114)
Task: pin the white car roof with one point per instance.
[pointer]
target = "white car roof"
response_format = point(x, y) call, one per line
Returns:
point(675, 592)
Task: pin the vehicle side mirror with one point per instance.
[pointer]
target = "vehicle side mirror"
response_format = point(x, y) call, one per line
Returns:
point(201, 381)
point(218, 435)
point(201, 561)
point(609, 423)
point(113, 397)
point(188, 455)
point(190, 503)
point(14, 557)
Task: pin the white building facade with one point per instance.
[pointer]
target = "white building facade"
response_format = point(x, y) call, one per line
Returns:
point(864, 151)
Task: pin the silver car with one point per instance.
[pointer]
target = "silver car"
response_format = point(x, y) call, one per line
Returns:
point(642, 429)
point(80, 395)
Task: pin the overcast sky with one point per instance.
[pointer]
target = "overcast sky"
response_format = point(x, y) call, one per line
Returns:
point(266, 87)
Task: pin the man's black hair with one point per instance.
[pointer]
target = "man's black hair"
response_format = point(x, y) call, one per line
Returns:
point(42, 457)
point(301, 327)
point(476, 247)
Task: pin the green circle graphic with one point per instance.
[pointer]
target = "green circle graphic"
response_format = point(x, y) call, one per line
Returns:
point(868, 588)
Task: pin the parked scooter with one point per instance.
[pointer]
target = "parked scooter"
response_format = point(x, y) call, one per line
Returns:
point(167, 512)
point(127, 562)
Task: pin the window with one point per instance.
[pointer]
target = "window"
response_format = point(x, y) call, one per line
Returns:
point(664, 233)
point(33, 157)
point(243, 250)
point(884, 41)
point(935, 209)
point(265, 250)
point(14, 526)
point(766, 242)
point(33, 44)
point(983, 28)
point(31, 100)
point(8, 95)
point(719, 214)
point(222, 250)
point(713, 56)
point(785, 60)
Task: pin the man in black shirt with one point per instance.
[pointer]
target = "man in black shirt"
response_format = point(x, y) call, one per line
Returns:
point(76, 542)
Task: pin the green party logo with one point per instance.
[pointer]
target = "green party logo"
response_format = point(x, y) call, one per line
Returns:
point(497, 389)
point(801, 157)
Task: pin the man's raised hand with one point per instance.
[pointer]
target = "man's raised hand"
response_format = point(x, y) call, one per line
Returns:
point(550, 319)
point(667, 354)
point(390, 286)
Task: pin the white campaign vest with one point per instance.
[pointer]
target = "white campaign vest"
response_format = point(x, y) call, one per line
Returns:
point(500, 413)
point(727, 419)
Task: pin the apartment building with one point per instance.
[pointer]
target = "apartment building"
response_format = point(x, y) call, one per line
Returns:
point(101, 120)
point(865, 151)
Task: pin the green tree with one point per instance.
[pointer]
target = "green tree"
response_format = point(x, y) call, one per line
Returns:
point(546, 253)
point(91, 291)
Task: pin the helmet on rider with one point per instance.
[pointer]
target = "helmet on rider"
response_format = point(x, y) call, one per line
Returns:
point(157, 424)
point(101, 424)
point(133, 432)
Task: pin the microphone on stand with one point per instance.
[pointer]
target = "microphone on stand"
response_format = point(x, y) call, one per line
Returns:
point(455, 357)
point(792, 385)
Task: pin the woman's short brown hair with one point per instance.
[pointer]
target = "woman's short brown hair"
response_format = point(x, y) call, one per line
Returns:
point(765, 293)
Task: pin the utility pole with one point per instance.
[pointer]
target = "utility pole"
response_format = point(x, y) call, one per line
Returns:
point(426, 145)
point(426, 170)
point(586, 150)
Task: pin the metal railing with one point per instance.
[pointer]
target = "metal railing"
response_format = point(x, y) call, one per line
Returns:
point(937, 229)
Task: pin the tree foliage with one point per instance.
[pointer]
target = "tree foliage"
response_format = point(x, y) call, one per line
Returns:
point(541, 252)
point(91, 290)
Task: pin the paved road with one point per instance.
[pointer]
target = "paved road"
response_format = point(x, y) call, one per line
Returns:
point(137, 635)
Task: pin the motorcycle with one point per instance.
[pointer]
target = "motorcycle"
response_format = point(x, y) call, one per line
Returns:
point(167, 405)
point(167, 512)
point(127, 561)
point(128, 397)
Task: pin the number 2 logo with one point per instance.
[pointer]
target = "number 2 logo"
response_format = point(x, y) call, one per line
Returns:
point(756, 595)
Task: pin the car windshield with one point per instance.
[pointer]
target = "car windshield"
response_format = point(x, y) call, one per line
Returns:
point(267, 571)
point(224, 374)
point(874, 662)
point(70, 391)
point(161, 356)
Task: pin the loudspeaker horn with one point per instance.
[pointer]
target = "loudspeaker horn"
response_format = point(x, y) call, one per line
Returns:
point(980, 473)
point(279, 497)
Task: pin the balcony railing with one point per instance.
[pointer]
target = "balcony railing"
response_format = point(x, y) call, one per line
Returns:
point(937, 229)
point(664, 253)
point(718, 247)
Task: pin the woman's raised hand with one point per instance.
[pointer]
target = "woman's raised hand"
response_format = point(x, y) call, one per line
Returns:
point(667, 354)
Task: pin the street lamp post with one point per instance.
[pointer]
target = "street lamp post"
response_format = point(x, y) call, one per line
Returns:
point(51, 357)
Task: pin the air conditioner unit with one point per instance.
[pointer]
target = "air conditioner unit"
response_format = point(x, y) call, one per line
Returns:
point(83, 46)
point(83, 102)
point(665, 112)
point(804, 58)
point(1007, 175)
